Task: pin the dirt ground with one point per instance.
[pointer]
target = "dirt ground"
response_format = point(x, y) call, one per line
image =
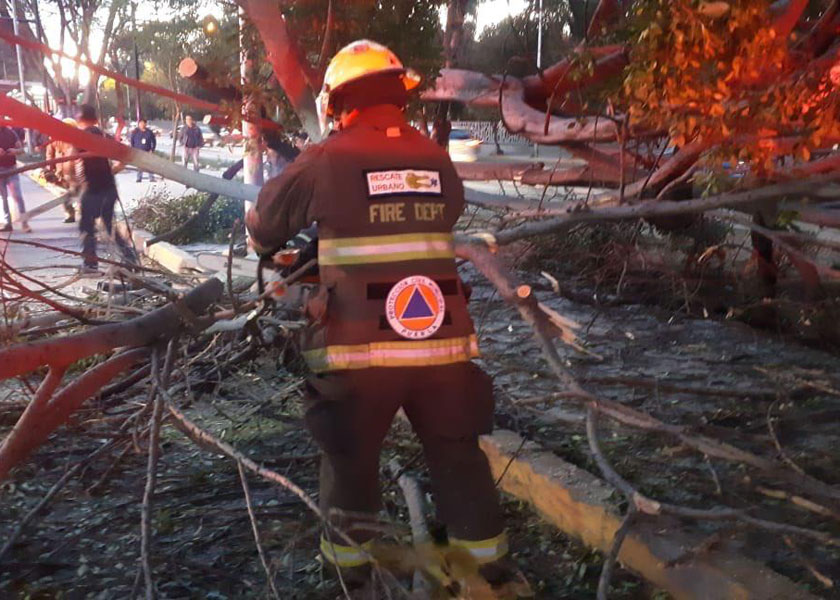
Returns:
point(720, 376)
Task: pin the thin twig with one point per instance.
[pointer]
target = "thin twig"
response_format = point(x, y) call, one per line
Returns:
point(771, 428)
point(151, 476)
point(263, 558)
point(827, 582)
point(611, 557)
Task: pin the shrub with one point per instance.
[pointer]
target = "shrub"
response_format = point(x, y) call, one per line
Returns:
point(161, 212)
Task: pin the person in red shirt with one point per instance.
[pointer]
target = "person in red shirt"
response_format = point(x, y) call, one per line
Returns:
point(10, 147)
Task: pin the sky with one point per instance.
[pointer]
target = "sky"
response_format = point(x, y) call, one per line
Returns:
point(489, 13)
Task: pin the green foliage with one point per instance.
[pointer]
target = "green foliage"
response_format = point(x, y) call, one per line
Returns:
point(411, 28)
point(510, 46)
point(160, 212)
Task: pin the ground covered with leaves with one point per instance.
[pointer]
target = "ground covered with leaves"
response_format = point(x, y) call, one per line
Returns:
point(762, 391)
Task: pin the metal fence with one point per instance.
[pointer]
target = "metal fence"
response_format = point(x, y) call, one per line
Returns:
point(483, 130)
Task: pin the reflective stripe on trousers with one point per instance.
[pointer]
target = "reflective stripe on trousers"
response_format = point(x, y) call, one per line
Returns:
point(413, 353)
point(385, 248)
point(484, 551)
point(345, 556)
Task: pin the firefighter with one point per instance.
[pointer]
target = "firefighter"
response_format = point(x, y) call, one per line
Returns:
point(390, 327)
point(63, 173)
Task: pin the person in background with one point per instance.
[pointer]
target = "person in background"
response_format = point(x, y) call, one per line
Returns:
point(300, 140)
point(143, 139)
point(10, 148)
point(94, 178)
point(193, 140)
point(63, 173)
point(278, 152)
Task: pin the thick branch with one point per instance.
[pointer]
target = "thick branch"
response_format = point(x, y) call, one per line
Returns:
point(287, 60)
point(35, 119)
point(147, 87)
point(41, 418)
point(785, 23)
point(142, 331)
point(649, 209)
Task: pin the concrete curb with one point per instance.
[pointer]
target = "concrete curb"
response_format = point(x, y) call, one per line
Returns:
point(167, 255)
point(584, 506)
point(172, 258)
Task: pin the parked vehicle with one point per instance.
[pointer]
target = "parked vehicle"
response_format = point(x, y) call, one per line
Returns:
point(463, 146)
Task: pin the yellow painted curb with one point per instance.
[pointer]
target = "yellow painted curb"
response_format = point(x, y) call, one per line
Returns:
point(585, 507)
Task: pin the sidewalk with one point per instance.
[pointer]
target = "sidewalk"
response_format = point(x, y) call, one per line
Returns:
point(52, 267)
point(49, 266)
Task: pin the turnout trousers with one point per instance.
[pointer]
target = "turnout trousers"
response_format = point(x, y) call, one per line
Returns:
point(349, 413)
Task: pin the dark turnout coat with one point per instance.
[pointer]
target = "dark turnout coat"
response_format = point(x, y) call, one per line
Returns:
point(385, 199)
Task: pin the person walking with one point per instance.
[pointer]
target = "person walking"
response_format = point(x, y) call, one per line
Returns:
point(94, 178)
point(389, 328)
point(10, 148)
point(193, 140)
point(143, 138)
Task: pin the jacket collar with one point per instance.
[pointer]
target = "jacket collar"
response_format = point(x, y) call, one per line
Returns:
point(381, 116)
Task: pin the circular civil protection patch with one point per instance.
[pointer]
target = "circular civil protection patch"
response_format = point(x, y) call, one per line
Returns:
point(415, 307)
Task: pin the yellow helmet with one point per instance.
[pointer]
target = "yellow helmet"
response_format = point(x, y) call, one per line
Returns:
point(355, 61)
point(70, 121)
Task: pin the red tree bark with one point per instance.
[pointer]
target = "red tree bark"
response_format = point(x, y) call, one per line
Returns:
point(290, 67)
point(152, 327)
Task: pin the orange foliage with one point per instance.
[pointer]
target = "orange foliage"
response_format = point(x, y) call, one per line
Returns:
point(718, 73)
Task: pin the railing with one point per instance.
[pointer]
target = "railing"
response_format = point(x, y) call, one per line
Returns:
point(483, 130)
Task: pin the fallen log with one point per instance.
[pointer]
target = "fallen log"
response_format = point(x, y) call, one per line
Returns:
point(155, 326)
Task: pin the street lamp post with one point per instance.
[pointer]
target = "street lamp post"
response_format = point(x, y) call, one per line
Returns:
point(539, 56)
point(137, 76)
point(16, 29)
point(539, 36)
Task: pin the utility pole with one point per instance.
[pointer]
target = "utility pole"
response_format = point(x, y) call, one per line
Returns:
point(16, 29)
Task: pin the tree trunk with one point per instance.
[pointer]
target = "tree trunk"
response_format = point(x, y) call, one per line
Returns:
point(252, 154)
point(176, 116)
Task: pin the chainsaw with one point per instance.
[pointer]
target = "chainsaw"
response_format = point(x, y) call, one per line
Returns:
point(297, 260)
